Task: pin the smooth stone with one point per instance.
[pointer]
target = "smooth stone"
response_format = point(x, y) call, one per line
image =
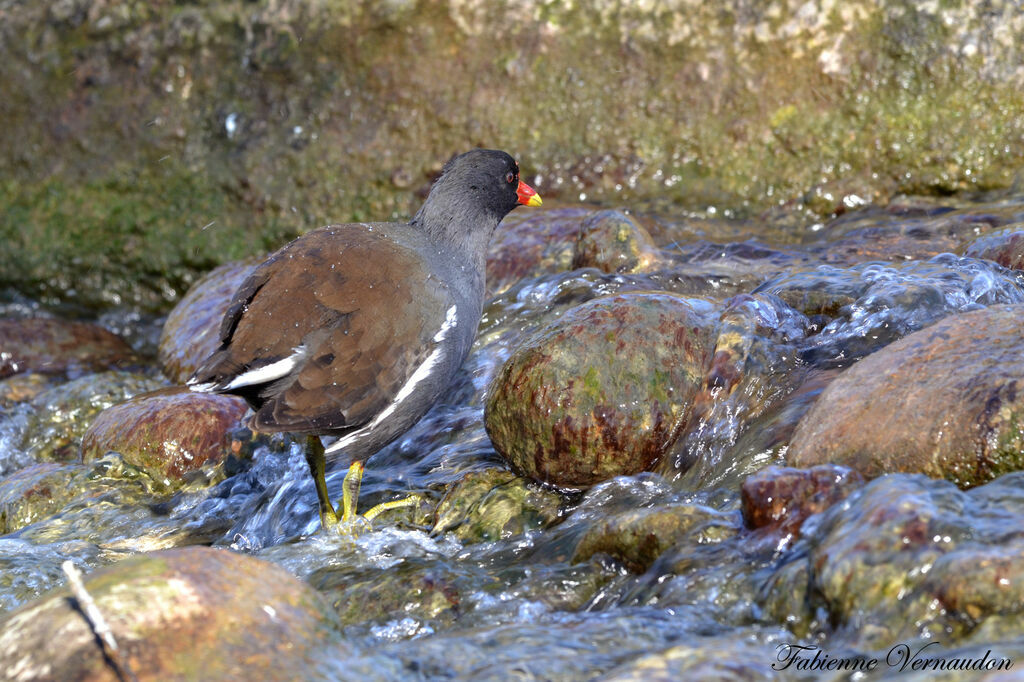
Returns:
point(906, 557)
point(187, 613)
point(785, 497)
point(638, 537)
point(192, 330)
point(495, 504)
point(612, 241)
point(64, 412)
point(48, 345)
point(945, 401)
point(604, 391)
point(168, 433)
point(1005, 247)
point(531, 244)
point(33, 493)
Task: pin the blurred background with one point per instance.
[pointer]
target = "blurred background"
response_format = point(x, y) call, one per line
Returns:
point(145, 142)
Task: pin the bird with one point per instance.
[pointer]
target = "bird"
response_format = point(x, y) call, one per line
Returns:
point(354, 330)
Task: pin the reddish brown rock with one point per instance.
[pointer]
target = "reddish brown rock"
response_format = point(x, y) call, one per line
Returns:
point(47, 345)
point(168, 433)
point(786, 497)
point(1005, 247)
point(946, 401)
point(191, 332)
point(604, 391)
point(189, 613)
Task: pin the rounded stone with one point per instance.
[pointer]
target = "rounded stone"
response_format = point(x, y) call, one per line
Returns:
point(1005, 247)
point(187, 613)
point(945, 401)
point(612, 242)
point(192, 330)
point(47, 345)
point(604, 391)
point(169, 433)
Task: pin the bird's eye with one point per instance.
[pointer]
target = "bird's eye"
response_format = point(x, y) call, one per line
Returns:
point(510, 177)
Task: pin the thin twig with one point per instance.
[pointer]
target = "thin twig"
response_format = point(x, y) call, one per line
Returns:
point(97, 622)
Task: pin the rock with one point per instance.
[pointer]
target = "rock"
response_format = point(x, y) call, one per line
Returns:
point(784, 497)
point(636, 538)
point(528, 245)
point(1005, 247)
point(186, 613)
point(495, 504)
point(168, 433)
point(602, 392)
point(64, 412)
point(33, 493)
point(192, 330)
point(22, 387)
point(907, 557)
point(613, 242)
point(946, 401)
point(47, 345)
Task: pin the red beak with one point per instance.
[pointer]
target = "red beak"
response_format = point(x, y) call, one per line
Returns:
point(527, 195)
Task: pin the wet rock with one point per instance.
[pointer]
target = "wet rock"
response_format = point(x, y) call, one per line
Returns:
point(63, 413)
point(425, 597)
point(177, 614)
point(42, 344)
point(495, 504)
point(786, 497)
point(907, 557)
point(602, 392)
point(33, 493)
point(613, 242)
point(1005, 247)
point(945, 401)
point(191, 332)
point(637, 538)
point(168, 433)
point(532, 244)
point(22, 387)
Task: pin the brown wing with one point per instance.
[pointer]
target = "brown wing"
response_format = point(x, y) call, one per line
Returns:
point(364, 311)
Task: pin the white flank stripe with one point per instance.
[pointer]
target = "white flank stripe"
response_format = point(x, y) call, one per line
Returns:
point(205, 387)
point(419, 375)
point(268, 373)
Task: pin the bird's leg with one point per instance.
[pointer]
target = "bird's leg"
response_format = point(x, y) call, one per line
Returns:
point(317, 467)
point(350, 491)
point(350, 497)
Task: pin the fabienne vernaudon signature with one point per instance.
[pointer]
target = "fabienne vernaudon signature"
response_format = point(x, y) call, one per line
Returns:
point(900, 658)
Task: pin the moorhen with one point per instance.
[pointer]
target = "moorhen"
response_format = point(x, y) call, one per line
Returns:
point(355, 330)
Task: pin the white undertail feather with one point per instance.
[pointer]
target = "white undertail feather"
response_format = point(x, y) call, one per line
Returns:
point(421, 373)
point(254, 377)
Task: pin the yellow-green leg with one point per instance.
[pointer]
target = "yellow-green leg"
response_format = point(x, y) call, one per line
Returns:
point(349, 491)
point(318, 468)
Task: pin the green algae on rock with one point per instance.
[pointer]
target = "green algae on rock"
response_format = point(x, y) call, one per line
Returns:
point(142, 150)
point(603, 391)
point(49, 345)
point(191, 332)
point(944, 401)
point(188, 613)
point(638, 537)
point(495, 504)
point(169, 433)
point(63, 413)
point(33, 493)
point(613, 242)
